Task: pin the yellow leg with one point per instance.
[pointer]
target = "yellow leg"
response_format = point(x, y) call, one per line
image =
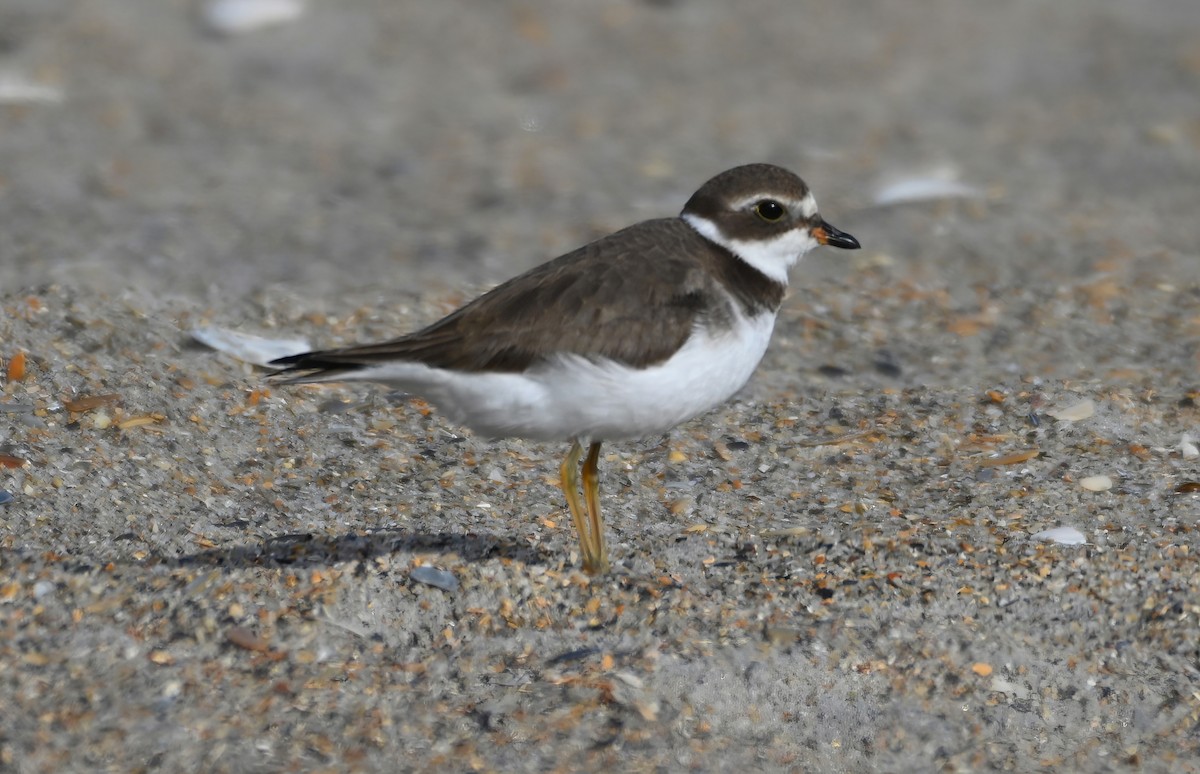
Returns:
point(590, 527)
point(569, 481)
point(591, 494)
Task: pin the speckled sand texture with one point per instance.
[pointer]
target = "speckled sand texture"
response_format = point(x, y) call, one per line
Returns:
point(841, 570)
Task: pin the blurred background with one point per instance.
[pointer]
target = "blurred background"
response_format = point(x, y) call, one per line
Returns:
point(218, 148)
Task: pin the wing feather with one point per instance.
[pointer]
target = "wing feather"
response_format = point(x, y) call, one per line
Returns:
point(633, 297)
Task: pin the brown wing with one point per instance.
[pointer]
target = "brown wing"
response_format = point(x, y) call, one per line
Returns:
point(632, 297)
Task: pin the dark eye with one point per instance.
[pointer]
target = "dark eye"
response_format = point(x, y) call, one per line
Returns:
point(769, 210)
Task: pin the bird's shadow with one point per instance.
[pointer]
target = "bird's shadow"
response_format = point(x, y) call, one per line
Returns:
point(305, 549)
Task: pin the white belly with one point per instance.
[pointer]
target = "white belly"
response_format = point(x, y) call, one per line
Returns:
point(573, 397)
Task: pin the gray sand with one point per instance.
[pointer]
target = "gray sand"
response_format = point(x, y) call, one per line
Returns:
point(837, 571)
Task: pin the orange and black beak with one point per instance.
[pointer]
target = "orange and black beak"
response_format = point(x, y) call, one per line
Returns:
point(828, 235)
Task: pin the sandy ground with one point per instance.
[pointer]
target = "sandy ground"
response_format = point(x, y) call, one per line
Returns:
point(838, 571)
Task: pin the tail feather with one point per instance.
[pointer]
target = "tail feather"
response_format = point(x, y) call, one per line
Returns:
point(313, 367)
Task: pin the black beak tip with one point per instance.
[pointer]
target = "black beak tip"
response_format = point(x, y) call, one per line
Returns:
point(828, 235)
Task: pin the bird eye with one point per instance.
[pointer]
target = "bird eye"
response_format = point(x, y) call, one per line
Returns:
point(769, 210)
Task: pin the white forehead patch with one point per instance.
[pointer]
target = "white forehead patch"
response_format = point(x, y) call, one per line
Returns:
point(806, 207)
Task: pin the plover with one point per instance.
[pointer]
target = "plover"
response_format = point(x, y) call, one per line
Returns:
point(622, 338)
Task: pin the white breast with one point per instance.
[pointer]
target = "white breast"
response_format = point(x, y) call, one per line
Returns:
point(575, 397)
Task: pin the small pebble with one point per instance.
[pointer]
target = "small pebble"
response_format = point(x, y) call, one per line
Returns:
point(339, 406)
point(236, 17)
point(1187, 447)
point(16, 89)
point(244, 638)
point(432, 576)
point(928, 185)
point(1065, 536)
point(1096, 483)
point(32, 420)
point(5, 497)
point(578, 654)
point(1075, 412)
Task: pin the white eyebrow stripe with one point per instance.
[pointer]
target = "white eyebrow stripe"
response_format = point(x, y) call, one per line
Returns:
point(807, 206)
